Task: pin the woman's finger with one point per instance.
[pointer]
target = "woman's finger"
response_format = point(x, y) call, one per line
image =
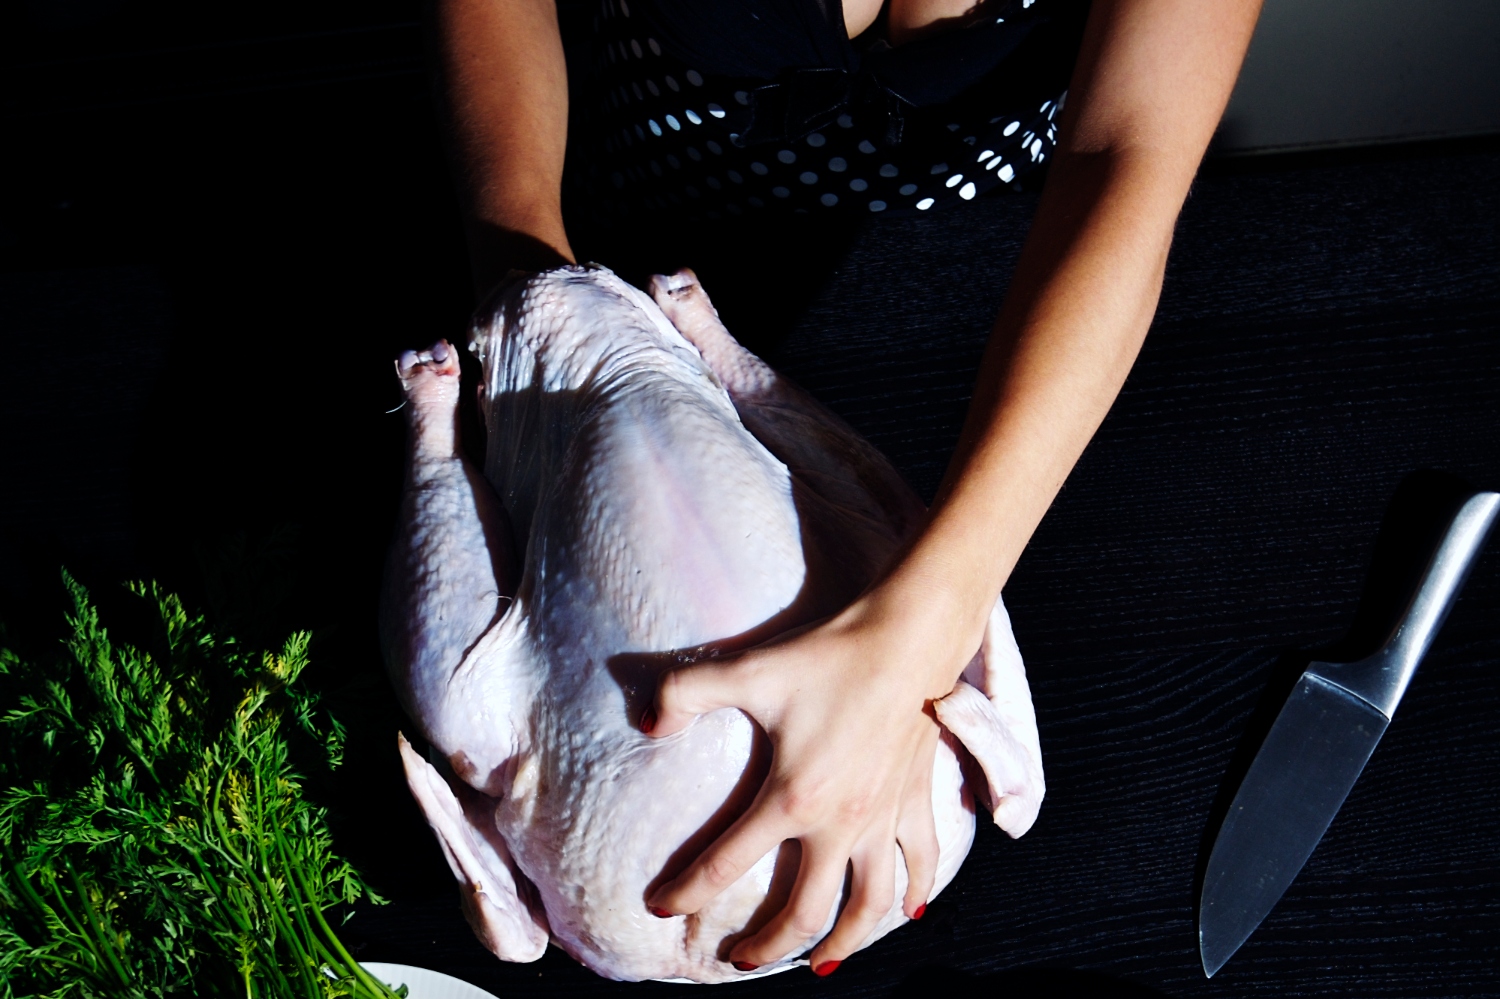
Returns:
point(754, 835)
point(919, 847)
point(916, 832)
point(685, 693)
point(820, 879)
point(871, 894)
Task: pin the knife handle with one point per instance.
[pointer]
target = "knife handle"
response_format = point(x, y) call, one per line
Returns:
point(1383, 678)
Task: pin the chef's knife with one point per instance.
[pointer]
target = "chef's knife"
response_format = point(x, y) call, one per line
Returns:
point(1316, 749)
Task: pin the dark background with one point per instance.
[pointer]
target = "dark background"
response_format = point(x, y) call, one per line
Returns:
point(219, 223)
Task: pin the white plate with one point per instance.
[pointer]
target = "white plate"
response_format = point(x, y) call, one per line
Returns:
point(424, 984)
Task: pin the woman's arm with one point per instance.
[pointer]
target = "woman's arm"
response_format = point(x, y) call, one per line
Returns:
point(507, 91)
point(1153, 78)
point(843, 702)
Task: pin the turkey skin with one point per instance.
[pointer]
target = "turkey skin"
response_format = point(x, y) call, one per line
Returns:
point(652, 493)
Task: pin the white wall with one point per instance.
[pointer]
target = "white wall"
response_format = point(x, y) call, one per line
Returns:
point(1324, 73)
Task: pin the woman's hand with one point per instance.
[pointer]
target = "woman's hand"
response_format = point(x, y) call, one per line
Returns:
point(847, 706)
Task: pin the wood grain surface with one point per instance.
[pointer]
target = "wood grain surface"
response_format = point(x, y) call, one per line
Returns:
point(1326, 331)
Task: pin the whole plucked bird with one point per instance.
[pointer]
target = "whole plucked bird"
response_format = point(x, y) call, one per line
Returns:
point(652, 493)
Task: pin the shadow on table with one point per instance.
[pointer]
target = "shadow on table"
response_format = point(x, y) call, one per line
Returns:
point(762, 273)
point(1020, 983)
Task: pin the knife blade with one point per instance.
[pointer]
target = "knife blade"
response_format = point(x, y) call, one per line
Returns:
point(1317, 748)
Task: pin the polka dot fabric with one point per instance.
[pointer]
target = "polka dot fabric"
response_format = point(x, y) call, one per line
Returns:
point(662, 137)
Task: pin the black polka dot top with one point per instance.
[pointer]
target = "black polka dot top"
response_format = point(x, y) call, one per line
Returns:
point(708, 108)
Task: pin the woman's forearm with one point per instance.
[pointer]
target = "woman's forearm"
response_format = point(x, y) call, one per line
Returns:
point(1155, 75)
point(1079, 308)
point(507, 90)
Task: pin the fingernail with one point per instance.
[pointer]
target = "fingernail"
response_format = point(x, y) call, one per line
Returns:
point(659, 912)
point(921, 911)
point(648, 720)
point(744, 966)
point(827, 968)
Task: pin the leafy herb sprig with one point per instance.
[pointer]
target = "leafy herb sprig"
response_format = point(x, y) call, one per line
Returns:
point(156, 840)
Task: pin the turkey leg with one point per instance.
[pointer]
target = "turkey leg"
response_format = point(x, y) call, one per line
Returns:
point(451, 569)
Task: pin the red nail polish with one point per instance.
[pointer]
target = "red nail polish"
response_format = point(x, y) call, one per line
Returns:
point(745, 966)
point(827, 968)
point(921, 911)
point(659, 912)
point(648, 720)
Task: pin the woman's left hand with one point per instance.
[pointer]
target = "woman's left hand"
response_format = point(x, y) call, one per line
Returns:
point(847, 706)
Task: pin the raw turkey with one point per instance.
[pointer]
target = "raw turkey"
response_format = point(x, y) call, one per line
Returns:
point(651, 493)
